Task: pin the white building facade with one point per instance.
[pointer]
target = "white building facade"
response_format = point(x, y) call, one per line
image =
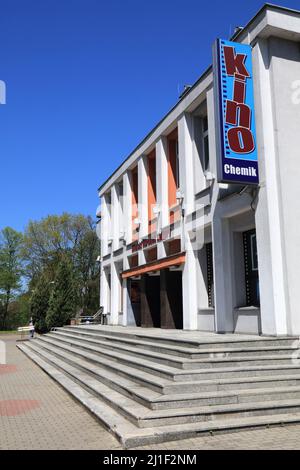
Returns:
point(178, 249)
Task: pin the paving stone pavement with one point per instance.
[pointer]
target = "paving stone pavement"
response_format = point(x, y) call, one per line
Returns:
point(36, 413)
point(56, 422)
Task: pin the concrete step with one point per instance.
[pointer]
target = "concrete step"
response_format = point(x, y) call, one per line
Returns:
point(157, 401)
point(179, 338)
point(143, 417)
point(131, 436)
point(88, 378)
point(252, 395)
point(113, 359)
point(118, 361)
point(177, 362)
point(110, 370)
point(94, 344)
point(144, 387)
point(223, 357)
point(190, 353)
point(218, 412)
point(137, 384)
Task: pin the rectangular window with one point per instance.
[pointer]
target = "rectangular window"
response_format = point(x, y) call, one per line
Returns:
point(251, 268)
point(205, 143)
point(210, 274)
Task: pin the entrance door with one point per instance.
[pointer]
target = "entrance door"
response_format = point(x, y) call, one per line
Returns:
point(135, 298)
point(150, 301)
point(171, 299)
point(251, 268)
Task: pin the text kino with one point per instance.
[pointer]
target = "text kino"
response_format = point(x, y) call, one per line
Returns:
point(238, 114)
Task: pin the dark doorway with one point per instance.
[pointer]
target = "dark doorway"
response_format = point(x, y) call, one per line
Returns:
point(150, 301)
point(135, 298)
point(251, 268)
point(171, 299)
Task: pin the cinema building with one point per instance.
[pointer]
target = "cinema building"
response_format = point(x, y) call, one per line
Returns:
point(191, 242)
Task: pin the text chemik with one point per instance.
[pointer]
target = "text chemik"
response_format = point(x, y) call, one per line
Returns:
point(237, 170)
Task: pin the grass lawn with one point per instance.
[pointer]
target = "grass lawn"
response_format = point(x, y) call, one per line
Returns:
point(8, 332)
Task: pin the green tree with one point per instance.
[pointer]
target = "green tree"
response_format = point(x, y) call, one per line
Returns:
point(62, 303)
point(39, 303)
point(10, 270)
point(87, 271)
point(49, 240)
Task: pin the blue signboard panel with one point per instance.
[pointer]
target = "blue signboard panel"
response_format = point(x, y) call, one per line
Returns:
point(233, 84)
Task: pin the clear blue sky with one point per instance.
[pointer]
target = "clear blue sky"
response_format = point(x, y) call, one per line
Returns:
point(86, 80)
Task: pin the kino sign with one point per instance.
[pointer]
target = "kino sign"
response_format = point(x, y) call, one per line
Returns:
point(233, 85)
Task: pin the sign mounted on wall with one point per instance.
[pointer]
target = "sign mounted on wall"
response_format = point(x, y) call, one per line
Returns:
point(235, 119)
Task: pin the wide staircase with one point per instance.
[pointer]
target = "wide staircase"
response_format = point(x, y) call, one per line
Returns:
point(154, 387)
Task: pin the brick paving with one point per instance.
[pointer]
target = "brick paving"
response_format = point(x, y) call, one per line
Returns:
point(55, 422)
point(275, 438)
point(38, 414)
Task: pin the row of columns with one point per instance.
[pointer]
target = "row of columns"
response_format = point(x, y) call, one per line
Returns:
point(113, 224)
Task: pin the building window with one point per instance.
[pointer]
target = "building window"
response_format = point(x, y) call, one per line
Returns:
point(251, 268)
point(205, 143)
point(210, 274)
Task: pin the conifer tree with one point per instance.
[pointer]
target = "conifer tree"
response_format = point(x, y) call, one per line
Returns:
point(62, 304)
point(39, 303)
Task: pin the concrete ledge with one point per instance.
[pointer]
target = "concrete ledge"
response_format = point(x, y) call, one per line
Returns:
point(247, 320)
point(206, 319)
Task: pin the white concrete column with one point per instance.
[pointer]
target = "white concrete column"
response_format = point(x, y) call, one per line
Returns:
point(190, 288)
point(115, 214)
point(143, 195)
point(125, 301)
point(269, 217)
point(142, 202)
point(222, 267)
point(105, 226)
point(104, 291)
point(162, 190)
point(115, 294)
point(186, 183)
point(162, 181)
point(127, 207)
point(186, 163)
point(202, 278)
point(211, 131)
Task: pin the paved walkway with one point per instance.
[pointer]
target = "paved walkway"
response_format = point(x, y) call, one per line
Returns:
point(36, 413)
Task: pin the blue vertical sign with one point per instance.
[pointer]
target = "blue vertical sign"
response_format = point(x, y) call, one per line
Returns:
point(235, 119)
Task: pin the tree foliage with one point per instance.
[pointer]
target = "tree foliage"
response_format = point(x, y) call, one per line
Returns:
point(39, 303)
point(48, 241)
point(10, 270)
point(62, 303)
point(30, 263)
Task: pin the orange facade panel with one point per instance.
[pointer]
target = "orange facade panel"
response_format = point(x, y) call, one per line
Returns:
point(151, 191)
point(172, 170)
point(134, 200)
